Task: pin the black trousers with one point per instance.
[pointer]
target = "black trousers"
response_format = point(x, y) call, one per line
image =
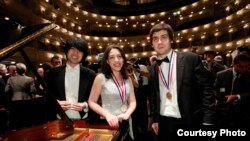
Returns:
point(3, 121)
point(140, 115)
point(168, 127)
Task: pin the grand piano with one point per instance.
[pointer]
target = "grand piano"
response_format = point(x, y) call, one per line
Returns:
point(64, 129)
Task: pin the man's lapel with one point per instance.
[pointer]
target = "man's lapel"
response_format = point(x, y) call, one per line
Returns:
point(179, 69)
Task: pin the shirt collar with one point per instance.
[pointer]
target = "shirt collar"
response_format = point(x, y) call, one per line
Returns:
point(168, 54)
point(68, 67)
point(235, 73)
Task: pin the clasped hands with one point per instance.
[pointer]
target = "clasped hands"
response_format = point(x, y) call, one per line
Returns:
point(76, 106)
point(114, 121)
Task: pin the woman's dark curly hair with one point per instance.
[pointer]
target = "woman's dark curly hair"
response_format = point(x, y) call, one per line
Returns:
point(105, 67)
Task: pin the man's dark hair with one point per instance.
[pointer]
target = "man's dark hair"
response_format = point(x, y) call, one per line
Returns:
point(55, 57)
point(244, 48)
point(78, 43)
point(162, 26)
point(241, 57)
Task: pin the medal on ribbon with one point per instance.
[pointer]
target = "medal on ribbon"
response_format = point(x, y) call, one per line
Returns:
point(122, 92)
point(169, 95)
point(124, 108)
point(167, 82)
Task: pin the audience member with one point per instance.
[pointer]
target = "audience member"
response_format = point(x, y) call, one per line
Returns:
point(20, 89)
point(241, 49)
point(233, 93)
point(152, 59)
point(56, 61)
point(140, 115)
point(39, 87)
point(12, 70)
point(219, 59)
point(4, 73)
point(212, 66)
point(3, 111)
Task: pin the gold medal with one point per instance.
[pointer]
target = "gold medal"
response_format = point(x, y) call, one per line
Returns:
point(124, 108)
point(169, 95)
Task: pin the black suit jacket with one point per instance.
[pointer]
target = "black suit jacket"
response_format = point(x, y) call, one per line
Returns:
point(223, 87)
point(55, 79)
point(2, 93)
point(194, 90)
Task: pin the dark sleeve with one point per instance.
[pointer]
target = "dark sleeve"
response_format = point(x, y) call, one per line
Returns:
point(2, 93)
point(51, 103)
point(46, 78)
point(50, 82)
point(153, 97)
point(217, 87)
point(93, 117)
point(245, 94)
point(90, 78)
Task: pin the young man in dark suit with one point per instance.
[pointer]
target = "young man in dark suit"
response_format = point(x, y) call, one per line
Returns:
point(71, 83)
point(181, 92)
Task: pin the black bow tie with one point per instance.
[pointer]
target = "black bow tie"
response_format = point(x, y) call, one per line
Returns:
point(162, 60)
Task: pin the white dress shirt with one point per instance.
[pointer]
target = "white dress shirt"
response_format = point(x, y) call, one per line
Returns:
point(72, 79)
point(169, 107)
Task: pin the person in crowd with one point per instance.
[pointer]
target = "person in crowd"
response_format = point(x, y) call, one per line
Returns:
point(140, 115)
point(20, 90)
point(115, 88)
point(152, 59)
point(241, 49)
point(40, 100)
point(4, 72)
point(233, 93)
point(212, 66)
point(132, 75)
point(46, 67)
point(2, 93)
point(3, 111)
point(181, 92)
point(56, 61)
point(39, 87)
point(219, 59)
point(12, 70)
point(21, 87)
point(71, 83)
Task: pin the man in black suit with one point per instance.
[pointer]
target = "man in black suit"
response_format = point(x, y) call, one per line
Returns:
point(233, 93)
point(71, 83)
point(181, 92)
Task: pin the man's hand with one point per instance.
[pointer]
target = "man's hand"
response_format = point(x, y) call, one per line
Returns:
point(231, 98)
point(64, 104)
point(155, 127)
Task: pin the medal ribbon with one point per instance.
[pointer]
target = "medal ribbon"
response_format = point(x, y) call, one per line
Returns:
point(121, 88)
point(165, 82)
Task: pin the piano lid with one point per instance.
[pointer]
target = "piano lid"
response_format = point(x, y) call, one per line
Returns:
point(19, 47)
